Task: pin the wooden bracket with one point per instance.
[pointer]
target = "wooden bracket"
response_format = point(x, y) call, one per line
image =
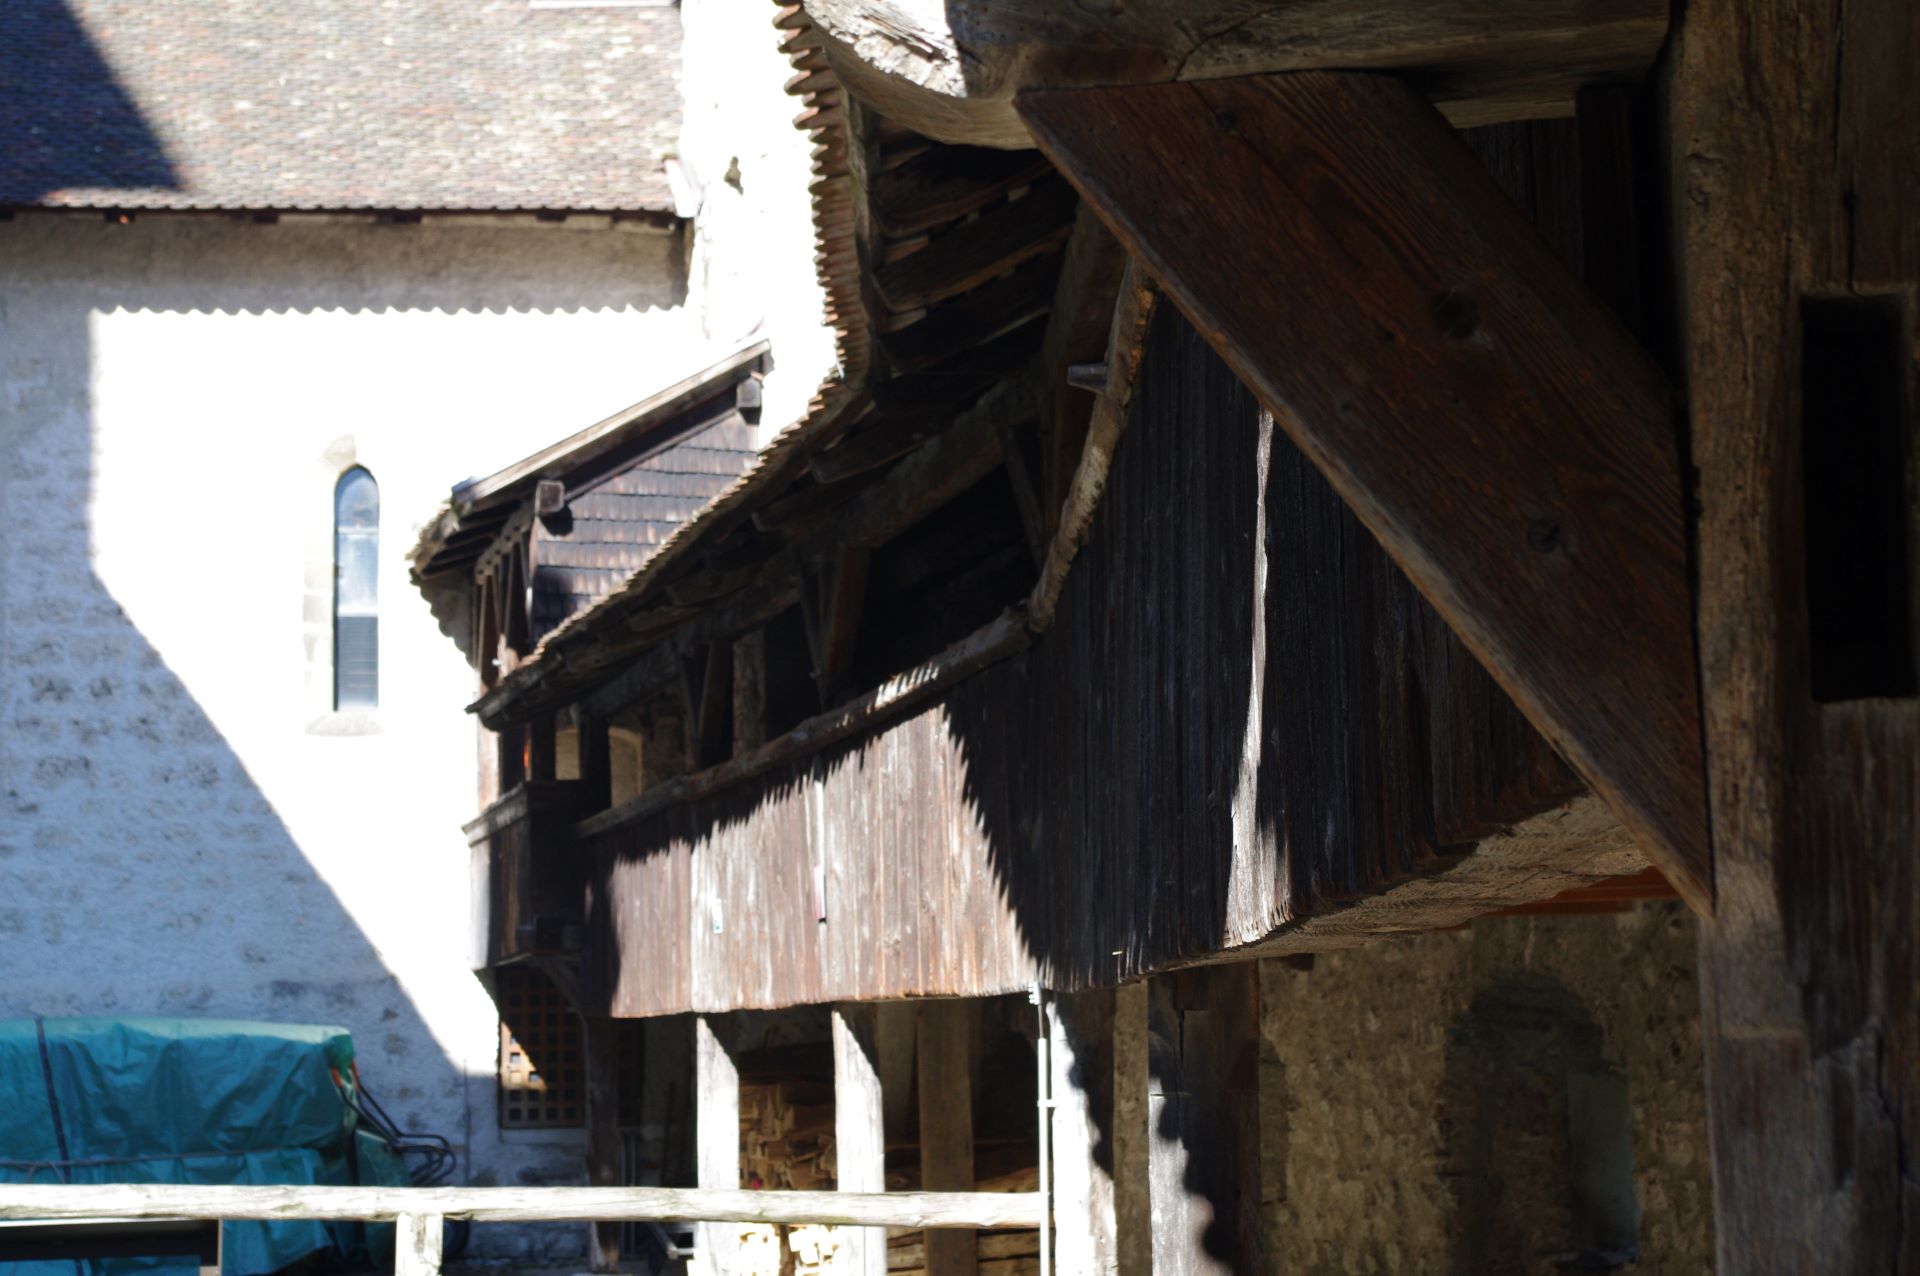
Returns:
point(706, 687)
point(831, 600)
point(1506, 440)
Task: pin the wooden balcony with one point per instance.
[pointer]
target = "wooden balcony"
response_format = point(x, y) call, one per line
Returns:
point(527, 880)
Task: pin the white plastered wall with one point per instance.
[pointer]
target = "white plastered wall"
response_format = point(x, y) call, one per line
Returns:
point(185, 827)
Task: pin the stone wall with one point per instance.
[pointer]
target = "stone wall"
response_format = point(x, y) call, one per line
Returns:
point(188, 829)
point(1425, 1119)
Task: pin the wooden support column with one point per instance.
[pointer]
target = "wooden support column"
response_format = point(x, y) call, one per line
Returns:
point(596, 763)
point(1203, 1120)
point(417, 1241)
point(946, 1125)
point(706, 691)
point(1084, 1143)
point(859, 1129)
point(1795, 132)
point(541, 749)
point(831, 603)
point(750, 691)
point(1484, 415)
point(600, 1048)
point(716, 1089)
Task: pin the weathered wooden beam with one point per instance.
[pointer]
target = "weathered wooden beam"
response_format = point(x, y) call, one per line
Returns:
point(596, 763)
point(949, 183)
point(939, 471)
point(749, 691)
point(1506, 440)
point(417, 1242)
point(1793, 133)
point(978, 317)
point(600, 1053)
point(954, 70)
point(1081, 1052)
point(946, 1124)
point(706, 682)
point(716, 1126)
point(1125, 348)
point(541, 739)
point(1203, 1120)
point(1077, 332)
point(522, 1204)
point(859, 1129)
point(980, 250)
point(832, 600)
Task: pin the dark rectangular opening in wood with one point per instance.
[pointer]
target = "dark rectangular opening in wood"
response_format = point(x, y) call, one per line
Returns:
point(1854, 459)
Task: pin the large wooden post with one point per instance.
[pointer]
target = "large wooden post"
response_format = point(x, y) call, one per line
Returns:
point(946, 1125)
point(417, 1240)
point(1795, 135)
point(601, 1050)
point(716, 1086)
point(859, 1129)
point(1203, 1121)
point(1083, 1135)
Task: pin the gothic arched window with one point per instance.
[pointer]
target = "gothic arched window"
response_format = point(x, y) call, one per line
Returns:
point(356, 618)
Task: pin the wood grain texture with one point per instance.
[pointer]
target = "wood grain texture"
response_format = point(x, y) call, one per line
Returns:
point(1081, 1026)
point(716, 1116)
point(523, 1204)
point(417, 1240)
point(1489, 422)
point(1794, 131)
point(859, 1130)
point(1124, 794)
point(600, 1052)
point(952, 69)
point(946, 1123)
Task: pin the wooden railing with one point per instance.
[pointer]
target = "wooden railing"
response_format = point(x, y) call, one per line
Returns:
point(419, 1212)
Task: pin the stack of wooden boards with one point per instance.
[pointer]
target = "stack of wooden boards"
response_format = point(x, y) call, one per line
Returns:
point(786, 1135)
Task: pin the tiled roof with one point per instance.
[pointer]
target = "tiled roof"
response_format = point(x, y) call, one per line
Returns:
point(337, 104)
point(618, 524)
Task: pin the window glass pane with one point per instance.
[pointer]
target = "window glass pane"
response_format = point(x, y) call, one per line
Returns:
point(356, 575)
point(356, 501)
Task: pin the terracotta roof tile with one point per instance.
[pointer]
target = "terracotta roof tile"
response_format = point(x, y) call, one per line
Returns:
point(337, 104)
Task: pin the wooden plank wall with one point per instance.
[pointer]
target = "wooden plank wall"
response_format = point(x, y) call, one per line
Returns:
point(1243, 712)
point(1087, 811)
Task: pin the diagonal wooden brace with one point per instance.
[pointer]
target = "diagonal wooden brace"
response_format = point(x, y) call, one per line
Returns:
point(1501, 434)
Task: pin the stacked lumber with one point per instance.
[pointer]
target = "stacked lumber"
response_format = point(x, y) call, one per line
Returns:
point(786, 1135)
point(1000, 1253)
point(1014, 1253)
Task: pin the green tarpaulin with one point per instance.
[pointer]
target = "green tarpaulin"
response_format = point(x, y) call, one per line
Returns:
point(188, 1101)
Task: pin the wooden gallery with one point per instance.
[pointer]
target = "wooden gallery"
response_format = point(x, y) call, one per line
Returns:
point(1331, 684)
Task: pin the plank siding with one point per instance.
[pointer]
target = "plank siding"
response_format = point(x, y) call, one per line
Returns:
point(1243, 713)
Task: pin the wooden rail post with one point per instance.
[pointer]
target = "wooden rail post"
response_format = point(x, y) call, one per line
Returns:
point(859, 1129)
point(601, 1047)
point(716, 1083)
point(1084, 1140)
point(416, 1244)
point(946, 1124)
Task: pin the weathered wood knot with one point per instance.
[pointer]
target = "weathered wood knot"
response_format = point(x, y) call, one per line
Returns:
point(1458, 315)
point(1227, 122)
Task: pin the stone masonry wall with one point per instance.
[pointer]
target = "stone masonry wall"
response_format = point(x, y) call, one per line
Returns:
point(1377, 1174)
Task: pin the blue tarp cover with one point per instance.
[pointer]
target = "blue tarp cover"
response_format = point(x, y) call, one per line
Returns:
point(187, 1101)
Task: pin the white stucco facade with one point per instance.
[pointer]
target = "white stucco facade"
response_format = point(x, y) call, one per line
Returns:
point(185, 827)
